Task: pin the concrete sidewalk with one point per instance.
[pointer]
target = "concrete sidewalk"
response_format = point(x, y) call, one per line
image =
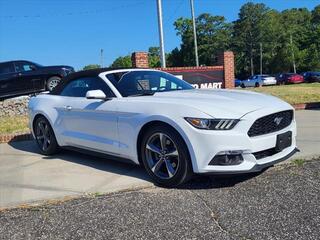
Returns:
point(308, 139)
point(27, 176)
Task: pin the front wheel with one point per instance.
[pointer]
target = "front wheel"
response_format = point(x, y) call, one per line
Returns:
point(165, 156)
point(257, 84)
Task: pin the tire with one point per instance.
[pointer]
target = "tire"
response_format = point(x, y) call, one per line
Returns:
point(168, 164)
point(52, 83)
point(45, 138)
point(242, 85)
point(257, 84)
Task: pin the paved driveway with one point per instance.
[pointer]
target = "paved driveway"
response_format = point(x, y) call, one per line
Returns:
point(27, 176)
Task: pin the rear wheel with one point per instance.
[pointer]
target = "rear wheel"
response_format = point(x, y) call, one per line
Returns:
point(257, 84)
point(165, 156)
point(242, 85)
point(52, 82)
point(45, 137)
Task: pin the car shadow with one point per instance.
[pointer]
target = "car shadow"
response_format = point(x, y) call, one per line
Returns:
point(106, 164)
point(201, 182)
point(132, 170)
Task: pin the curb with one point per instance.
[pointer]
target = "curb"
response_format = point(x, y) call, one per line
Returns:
point(303, 106)
point(15, 137)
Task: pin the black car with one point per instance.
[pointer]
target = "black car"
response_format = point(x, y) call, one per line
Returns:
point(311, 77)
point(24, 77)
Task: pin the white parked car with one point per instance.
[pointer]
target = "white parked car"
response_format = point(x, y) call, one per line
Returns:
point(159, 121)
point(259, 80)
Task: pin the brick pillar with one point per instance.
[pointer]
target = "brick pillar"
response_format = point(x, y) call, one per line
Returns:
point(226, 59)
point(140, 60)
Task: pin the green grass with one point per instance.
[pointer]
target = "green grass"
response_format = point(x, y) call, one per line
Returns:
point(298, 162)
point(15, 124)
point(293, 94)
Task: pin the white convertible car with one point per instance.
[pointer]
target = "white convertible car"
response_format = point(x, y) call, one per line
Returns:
point(159, 121)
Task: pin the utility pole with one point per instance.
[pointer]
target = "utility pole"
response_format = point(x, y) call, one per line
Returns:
point(260, 58)
point(194, 33)
point(292, 52)
point(101, 58)
point(162, 54)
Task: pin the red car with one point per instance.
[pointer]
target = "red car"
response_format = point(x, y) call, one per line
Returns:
point(287, 78)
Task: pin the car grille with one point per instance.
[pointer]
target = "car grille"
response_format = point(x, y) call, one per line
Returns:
point(271, 123)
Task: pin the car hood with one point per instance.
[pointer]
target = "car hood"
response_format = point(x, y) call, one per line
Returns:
point(220, 103)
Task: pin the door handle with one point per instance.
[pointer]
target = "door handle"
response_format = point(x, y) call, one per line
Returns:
point(68, 108)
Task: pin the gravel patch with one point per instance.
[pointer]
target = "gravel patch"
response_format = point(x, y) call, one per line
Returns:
point(14, 106)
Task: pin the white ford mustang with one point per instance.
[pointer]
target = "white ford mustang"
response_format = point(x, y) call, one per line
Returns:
point(159, 121)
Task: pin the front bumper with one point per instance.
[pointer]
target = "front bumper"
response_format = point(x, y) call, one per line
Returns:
point(258, 167)
point(209, 143)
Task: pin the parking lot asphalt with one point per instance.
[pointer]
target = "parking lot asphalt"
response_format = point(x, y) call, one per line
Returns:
point(26, 176)
point(280, 203)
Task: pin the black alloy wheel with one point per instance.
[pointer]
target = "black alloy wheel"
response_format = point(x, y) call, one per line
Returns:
point(165, 156)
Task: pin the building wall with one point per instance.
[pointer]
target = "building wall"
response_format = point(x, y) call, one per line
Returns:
point(221, 76)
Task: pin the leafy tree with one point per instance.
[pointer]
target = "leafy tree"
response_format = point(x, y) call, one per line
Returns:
point(91, 66)
point(122, 62)
point(248, 35)
point(213, 35)
point(297, 25)
point(315, 28)
point(175, 58)
point(154, 57)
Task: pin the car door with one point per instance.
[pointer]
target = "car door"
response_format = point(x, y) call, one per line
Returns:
point(89, 123)
point(8, 78)
point(30, 78)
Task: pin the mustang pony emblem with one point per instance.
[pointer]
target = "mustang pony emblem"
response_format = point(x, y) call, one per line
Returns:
point(278, 120)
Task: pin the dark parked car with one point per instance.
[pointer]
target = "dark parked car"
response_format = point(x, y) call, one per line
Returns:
point(311, 77)
point(286, 78)
point(24, 77)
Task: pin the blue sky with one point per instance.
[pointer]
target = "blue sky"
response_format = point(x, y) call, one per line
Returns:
point(72, 32)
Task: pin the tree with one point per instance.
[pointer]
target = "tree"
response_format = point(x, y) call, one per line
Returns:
point(213, 35)
point(315, 28)
point(91, 66)
point(297, 26)
point(248, 35)
point(122, 62)
point(154, 57)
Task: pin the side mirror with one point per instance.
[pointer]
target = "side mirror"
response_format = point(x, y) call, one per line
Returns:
point(96, 94)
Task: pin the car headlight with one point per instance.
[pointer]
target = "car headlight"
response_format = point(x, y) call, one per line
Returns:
point(212, 124)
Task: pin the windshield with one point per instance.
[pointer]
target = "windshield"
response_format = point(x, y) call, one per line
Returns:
point(135, 83)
